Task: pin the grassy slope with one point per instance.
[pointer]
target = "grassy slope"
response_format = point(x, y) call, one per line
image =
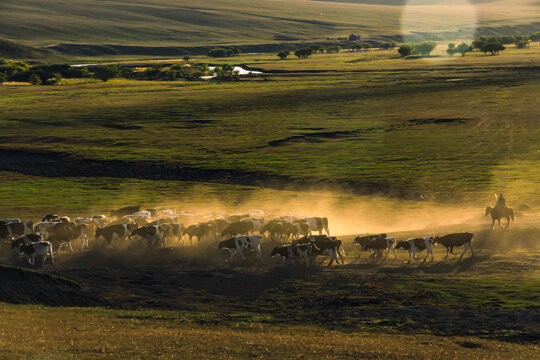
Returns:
point(390, 107)
point(174, 23)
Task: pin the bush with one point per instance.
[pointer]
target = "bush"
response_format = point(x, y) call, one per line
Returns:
point(303, 53)
point(405, 50)
point(425, 48)
point(186, 58)
point(366, 46)
point(463, 49)
point(105, 73)
point(225, 72)
point(535, 37)
point(521, 44)
point(356, 47)
point(492, 48)
point(388, 45)
point(127, 72)
point(3, 78)
point(317, 47)
point(333, 49)
point(216, 53)
point(451, 49)
point(34, 79)
point(283, 54)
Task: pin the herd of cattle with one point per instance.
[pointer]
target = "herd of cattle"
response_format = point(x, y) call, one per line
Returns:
point(293, 235)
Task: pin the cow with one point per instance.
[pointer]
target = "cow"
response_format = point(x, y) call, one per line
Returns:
point(324, 246)
point(200, 231)
point(239, 244)
point(26, 239)
point(376, 244)
point(316, 224)
point(49, 218)
point(294, 252)
point(237, 217)
point(115, 232)
point(62, 233)
point(100, 220)
point(171, 230)
point(218, 225)
point(258, 223)
point(451, 241)
point(140, 220)
point(238, 228)
point(37, 249)
point(287, 218)
point(152, 234)
point(9, 221)
point(128, 210)
point(8, 231)
point(256, 213)
point(276, 229)
point(294, 231)
point(417, 244)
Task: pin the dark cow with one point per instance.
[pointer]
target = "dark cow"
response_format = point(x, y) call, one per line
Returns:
point(200, 231)
point(239, 244)
point(37, 249)
point(151, 234)
point(172, 230)
point(49, 218)
point(294, 252)
point(417, 244)
point(9, 221)
point(128, 210)
point(62, 233)
point(275, 229)
point(26, 239)
point(324, 246)
point(451, 241)
point(238, 228)
point(115, 232)
point(376, 244)
point(11, 230)
point(218, 225)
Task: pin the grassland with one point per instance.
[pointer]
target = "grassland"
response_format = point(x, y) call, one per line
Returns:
point(170, 23)
point(370, 123)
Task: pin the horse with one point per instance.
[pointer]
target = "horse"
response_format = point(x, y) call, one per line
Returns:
point(498, 214)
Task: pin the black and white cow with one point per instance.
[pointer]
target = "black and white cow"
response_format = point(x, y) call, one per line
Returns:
point(294, 253)
point(201, 231)
point(316, 224)
point(172, 231)
point(26, 239)
point(100, 220)
point(417, 244)
point(239, 244)
point(61, 233)
point(8, 231)
point(151, 234)
point(327, 246)
point(451, 241)
point(118, 232)
point(37, 249)
point(9, 221)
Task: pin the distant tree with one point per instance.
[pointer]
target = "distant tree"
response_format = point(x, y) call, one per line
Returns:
point(333, 49)
point(521, 44)
point(34, 79)
point(3, 78)
point(479, 42)
point(283, 54)
point(451, 49)
point(425, 48)
point(317, 48)
point(387, 45)
point(226, 72)
point(105, 73)
point(405, 50)
point(535, 37)
point(463, 49)
point(127, 72)
point(356, 47)
point(493, 48)
point(303, 53)
point(236, 51)
point(216, 53)
point(366, 46)
point(187, 58)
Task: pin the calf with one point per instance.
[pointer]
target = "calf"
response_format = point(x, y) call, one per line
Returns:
point(8, 231)
point(316, 224)
point(37, 249)
point(323, 246)
point(115, 232)
point(417, 244)
point(455, 240)
point(239, 244)
point(294, 252)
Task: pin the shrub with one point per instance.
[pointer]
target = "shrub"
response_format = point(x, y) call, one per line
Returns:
point(535, 37)
point(34, 79)
point(215, 53)
point(3, 78)
point(303, 53)
point(105, 73)
point(356, 47)
point(127, 72)
point(317, 47)
point(388, 45)
point(226, 72)
point(425, 48)
point(333, 49)
point(492, 48)
point(463, 49)
point(521, 44)
point(283, 54)
point(451, 49)
point(186, 58)
point(405, 50)
point(366, 46)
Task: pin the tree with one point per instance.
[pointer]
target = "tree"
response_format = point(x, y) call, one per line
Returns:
point(303, 53)
point(333, 49)
point(317, 47)
point(463, 49)
point(216, 53)
point(127, 72)
point(3, 78)
point(226, 72)
point(535, 37)
point(492, 48)
point(388, 45)
point(187, 58)
point(283, 54)
point(366, 46)
point(451, 49)
point(356, 47)
point(479, 42)
point(105, 73)
point(405, 50)
point(34, 79)
point(521, 44)
point(425, 48)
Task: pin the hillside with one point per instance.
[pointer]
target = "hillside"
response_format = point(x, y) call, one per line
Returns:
point(161, 23)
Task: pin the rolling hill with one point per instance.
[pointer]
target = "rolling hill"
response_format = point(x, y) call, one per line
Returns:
point(166, 23)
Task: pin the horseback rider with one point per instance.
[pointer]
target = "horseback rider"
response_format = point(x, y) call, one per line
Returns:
point(501, 202)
